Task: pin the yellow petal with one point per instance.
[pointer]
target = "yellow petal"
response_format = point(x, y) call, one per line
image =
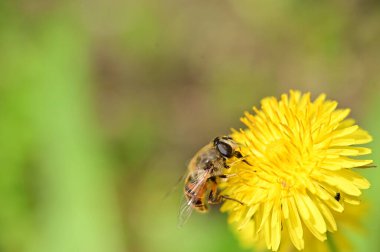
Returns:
point(330, 220)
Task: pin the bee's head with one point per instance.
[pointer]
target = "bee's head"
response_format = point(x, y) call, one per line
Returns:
point(225, 146)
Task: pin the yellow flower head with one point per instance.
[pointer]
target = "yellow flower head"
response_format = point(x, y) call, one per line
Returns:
point(298, 172)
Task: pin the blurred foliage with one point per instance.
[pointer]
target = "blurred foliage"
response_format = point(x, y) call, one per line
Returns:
point(102, 104)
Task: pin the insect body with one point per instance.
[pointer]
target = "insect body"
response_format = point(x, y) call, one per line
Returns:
point(204, 170)
point(337, 196)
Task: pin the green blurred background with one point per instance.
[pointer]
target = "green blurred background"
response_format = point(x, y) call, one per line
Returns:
point(102, 104)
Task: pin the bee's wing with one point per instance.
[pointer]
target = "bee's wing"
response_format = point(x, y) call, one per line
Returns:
point(175, 186)
point(185, 212)
point(180, 181)
point(186, 207)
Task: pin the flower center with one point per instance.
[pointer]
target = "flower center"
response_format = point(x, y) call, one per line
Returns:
point(276, 150)
point(290, 164)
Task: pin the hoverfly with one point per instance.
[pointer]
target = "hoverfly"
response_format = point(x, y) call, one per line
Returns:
point(204, 170)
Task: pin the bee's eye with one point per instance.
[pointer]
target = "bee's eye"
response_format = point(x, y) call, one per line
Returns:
point(224, 149)
point(216, 141)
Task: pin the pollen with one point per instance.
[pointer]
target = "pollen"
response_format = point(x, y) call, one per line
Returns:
point(299, 154)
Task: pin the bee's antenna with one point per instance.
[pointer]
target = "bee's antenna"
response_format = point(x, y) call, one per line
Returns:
point(241, 158)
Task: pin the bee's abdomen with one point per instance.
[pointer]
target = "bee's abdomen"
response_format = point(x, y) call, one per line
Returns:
point(201, 208)
point(196, 200)
point(189, 191)
point(199, 205)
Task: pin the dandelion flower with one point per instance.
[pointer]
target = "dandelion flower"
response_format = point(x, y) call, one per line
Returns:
point(349, 222)
point(300, 158)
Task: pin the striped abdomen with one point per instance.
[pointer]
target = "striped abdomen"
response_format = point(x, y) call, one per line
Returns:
point(196, 195)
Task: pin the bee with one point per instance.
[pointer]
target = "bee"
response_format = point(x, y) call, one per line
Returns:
point(204, 171)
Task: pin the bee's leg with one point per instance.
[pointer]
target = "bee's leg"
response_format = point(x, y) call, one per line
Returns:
point(214, 198)
point(225, 197)
point(225, 163)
